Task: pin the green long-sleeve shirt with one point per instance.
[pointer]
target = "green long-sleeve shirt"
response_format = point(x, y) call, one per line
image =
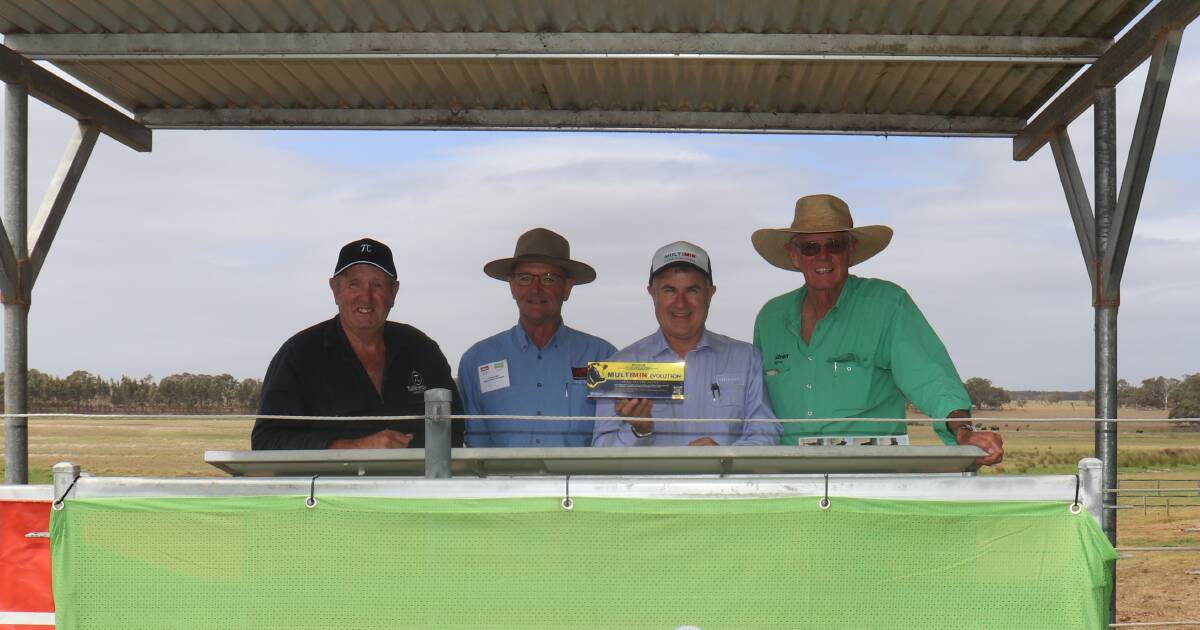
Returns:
point(873, 351)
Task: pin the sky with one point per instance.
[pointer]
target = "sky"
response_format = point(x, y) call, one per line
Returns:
point(206, 254)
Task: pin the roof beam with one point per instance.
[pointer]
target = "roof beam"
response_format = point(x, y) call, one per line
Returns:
point(1115, 64)
point(72, 101)
point(585, 120)
point(834, 47)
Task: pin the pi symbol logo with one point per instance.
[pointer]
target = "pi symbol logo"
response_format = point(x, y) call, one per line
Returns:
point(365, 247)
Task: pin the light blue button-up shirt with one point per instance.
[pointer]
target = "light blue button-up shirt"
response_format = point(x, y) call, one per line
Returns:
point(541, 383)
point(722, 379)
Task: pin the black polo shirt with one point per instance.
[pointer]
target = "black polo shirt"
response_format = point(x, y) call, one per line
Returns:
point(316, 373)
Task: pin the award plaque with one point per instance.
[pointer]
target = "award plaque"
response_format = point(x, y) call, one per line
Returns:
point(635, 379)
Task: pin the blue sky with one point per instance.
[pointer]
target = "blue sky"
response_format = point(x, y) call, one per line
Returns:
point(208, 253)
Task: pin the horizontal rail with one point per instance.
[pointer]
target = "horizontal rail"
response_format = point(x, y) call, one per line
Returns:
point(251, 416)
point(1158, 548)
point(1150, 624)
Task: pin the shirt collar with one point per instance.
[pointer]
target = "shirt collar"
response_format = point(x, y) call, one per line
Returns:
point(335, 337)
point(659, 346)
point(793, 312)
point(521, 339)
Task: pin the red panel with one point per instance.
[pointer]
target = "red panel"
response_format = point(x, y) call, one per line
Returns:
point(25, 562)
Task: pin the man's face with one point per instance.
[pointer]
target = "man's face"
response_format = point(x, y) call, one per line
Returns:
point(823, 269)
point(539, 303)
point(364, 295)
point(681, 297)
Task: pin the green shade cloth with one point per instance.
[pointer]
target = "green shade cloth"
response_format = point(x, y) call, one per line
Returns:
point(869, 355)
point(352, 562)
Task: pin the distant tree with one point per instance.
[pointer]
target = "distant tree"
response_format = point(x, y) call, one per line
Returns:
point(1126, 394)
point(985, 395)
point(1053, 397)
point(1155, 392)
point(1185, 400)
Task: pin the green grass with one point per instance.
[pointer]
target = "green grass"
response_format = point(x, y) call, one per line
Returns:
point(36, 475)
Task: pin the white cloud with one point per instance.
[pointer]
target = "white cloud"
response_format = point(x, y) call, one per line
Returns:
point(206, 254)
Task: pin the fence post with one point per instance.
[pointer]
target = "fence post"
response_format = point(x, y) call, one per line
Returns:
point(64, 473)
point(1091, 486)
point(437, 433)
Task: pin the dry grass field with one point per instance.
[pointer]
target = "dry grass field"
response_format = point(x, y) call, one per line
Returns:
point(1152, 586)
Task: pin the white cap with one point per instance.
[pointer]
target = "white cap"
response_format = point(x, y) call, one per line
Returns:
point(680, 252)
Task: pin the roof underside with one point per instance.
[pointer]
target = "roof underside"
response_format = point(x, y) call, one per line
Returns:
point(946, 67)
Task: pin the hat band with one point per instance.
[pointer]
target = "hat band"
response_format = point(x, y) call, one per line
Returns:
point(818, 228)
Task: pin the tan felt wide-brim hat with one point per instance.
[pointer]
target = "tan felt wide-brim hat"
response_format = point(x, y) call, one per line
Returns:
point(816, 214)
point(541, 245)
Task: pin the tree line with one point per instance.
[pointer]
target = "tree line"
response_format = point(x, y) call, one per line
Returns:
point(84, 392)
point(1181, 397)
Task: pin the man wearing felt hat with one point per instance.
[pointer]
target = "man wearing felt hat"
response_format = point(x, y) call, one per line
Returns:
point(539, 366)
point(842, 346)
point(722, 376)
point(356, 364)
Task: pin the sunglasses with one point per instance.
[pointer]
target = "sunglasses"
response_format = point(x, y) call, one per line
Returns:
point(831, 246)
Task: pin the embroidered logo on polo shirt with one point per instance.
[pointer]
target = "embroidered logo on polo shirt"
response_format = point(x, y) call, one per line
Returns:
point(416, 384)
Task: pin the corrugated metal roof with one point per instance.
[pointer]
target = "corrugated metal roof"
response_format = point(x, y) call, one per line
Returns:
point(951, 66)
point(1065, 18)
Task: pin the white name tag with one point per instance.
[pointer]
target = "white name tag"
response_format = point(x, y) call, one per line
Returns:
point(493, 376)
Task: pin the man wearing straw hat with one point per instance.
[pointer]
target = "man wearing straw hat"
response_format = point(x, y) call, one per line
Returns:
point(848, 347)
point(356, 364)
point(539, 366)
point(722, 376)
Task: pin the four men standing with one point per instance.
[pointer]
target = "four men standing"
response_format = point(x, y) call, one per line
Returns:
point(838, 347)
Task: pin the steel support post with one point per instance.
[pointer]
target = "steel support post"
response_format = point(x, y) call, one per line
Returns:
point(437, 433)
point(16, 304)
point(1105, 303)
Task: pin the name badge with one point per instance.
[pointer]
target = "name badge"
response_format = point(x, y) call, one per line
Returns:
point(493, 376)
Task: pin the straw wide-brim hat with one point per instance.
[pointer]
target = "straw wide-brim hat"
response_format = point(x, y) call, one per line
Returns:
point(816, 214)
point(541, 245)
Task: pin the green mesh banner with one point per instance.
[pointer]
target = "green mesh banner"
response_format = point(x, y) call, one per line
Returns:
point(270, 562)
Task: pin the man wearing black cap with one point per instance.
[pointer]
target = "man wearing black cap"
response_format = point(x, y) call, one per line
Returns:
point(356, 364)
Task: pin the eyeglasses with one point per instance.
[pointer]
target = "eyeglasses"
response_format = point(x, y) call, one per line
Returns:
point(831, 246)
point(547, 279)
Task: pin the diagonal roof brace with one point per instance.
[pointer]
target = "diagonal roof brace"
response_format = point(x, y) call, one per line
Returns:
point(1115, 64)
point(58, 93)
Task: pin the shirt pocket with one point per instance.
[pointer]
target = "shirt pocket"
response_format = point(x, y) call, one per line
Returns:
point(576, 389)
point(777, 379)
point(729, 394)
point(852, 379)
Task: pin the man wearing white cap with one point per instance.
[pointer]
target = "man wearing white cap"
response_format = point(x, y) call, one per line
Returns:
point(722, 376)
point(539, 366)
point(356, 364)
point(848, 347)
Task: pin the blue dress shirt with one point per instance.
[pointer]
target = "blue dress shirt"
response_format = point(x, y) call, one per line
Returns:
point(723, 379)
point(541, 383)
